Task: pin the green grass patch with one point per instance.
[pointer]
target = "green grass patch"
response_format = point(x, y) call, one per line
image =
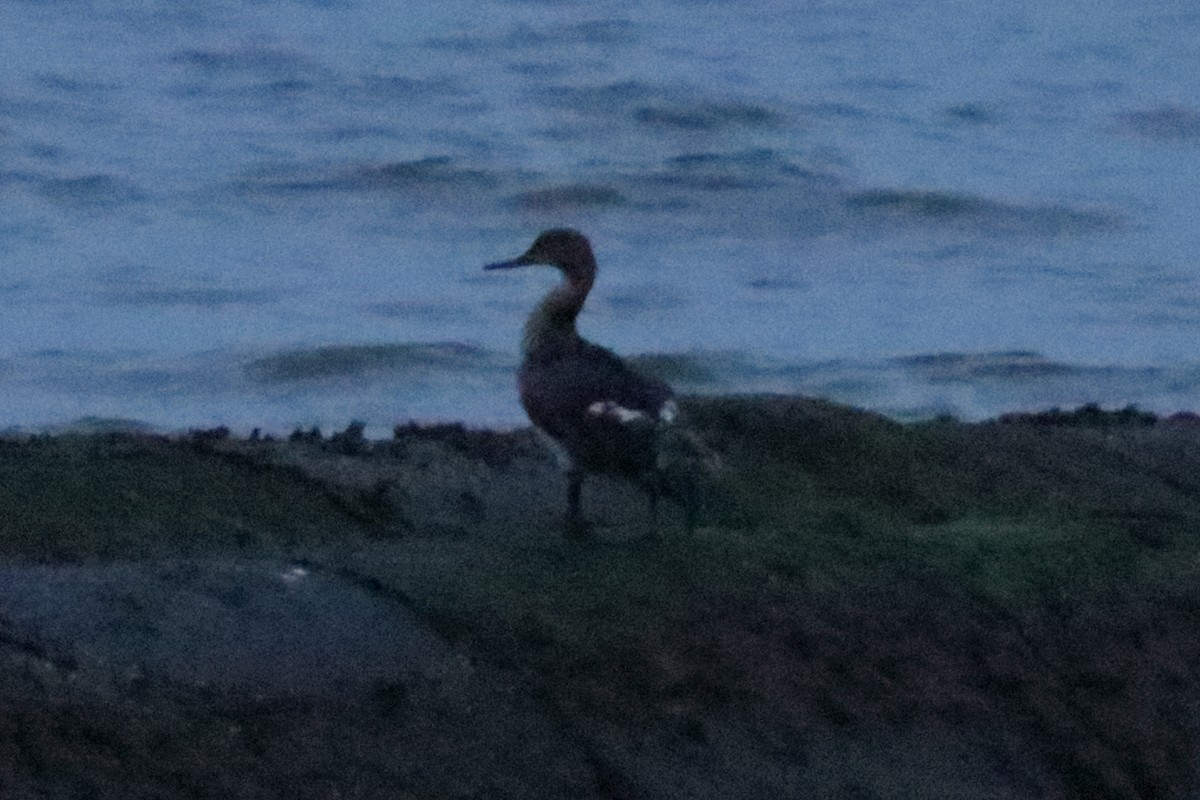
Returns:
point(87, 497)
point(1019, 564)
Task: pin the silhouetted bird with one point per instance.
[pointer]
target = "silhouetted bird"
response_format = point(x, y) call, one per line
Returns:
point(605, 417)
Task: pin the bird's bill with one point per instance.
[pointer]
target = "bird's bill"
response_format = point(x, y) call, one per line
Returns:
point(519, 261)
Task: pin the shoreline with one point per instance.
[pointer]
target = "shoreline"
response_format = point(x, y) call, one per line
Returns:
point(866, 607)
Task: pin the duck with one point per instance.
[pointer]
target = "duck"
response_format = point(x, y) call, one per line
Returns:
point(601, 415)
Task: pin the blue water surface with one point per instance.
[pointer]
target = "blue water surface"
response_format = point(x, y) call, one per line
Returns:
point(274, 214)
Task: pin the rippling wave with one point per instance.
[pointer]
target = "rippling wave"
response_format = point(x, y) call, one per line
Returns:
point(268, 215)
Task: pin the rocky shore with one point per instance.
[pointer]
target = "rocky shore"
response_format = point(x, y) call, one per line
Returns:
point(866, 610)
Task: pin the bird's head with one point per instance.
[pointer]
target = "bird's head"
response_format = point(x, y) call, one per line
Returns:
point(567, 249)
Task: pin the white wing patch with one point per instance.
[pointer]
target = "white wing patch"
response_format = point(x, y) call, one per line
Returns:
point(613, 409)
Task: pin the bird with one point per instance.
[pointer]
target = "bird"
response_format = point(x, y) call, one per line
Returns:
point(603, 416)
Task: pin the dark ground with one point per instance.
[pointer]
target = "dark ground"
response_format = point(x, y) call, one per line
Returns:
point(867, 610)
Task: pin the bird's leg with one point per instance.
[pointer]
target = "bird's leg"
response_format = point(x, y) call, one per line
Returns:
point(690, 502)
point(652, 535)
point(576, 527)
point(574, 485)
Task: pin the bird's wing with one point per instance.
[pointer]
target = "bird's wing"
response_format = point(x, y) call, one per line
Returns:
point(593, 374)
point(590, 400)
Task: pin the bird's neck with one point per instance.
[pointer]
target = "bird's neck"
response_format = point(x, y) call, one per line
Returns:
point(551, 327)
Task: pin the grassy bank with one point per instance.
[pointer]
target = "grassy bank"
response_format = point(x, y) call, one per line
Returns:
point(867, 609)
